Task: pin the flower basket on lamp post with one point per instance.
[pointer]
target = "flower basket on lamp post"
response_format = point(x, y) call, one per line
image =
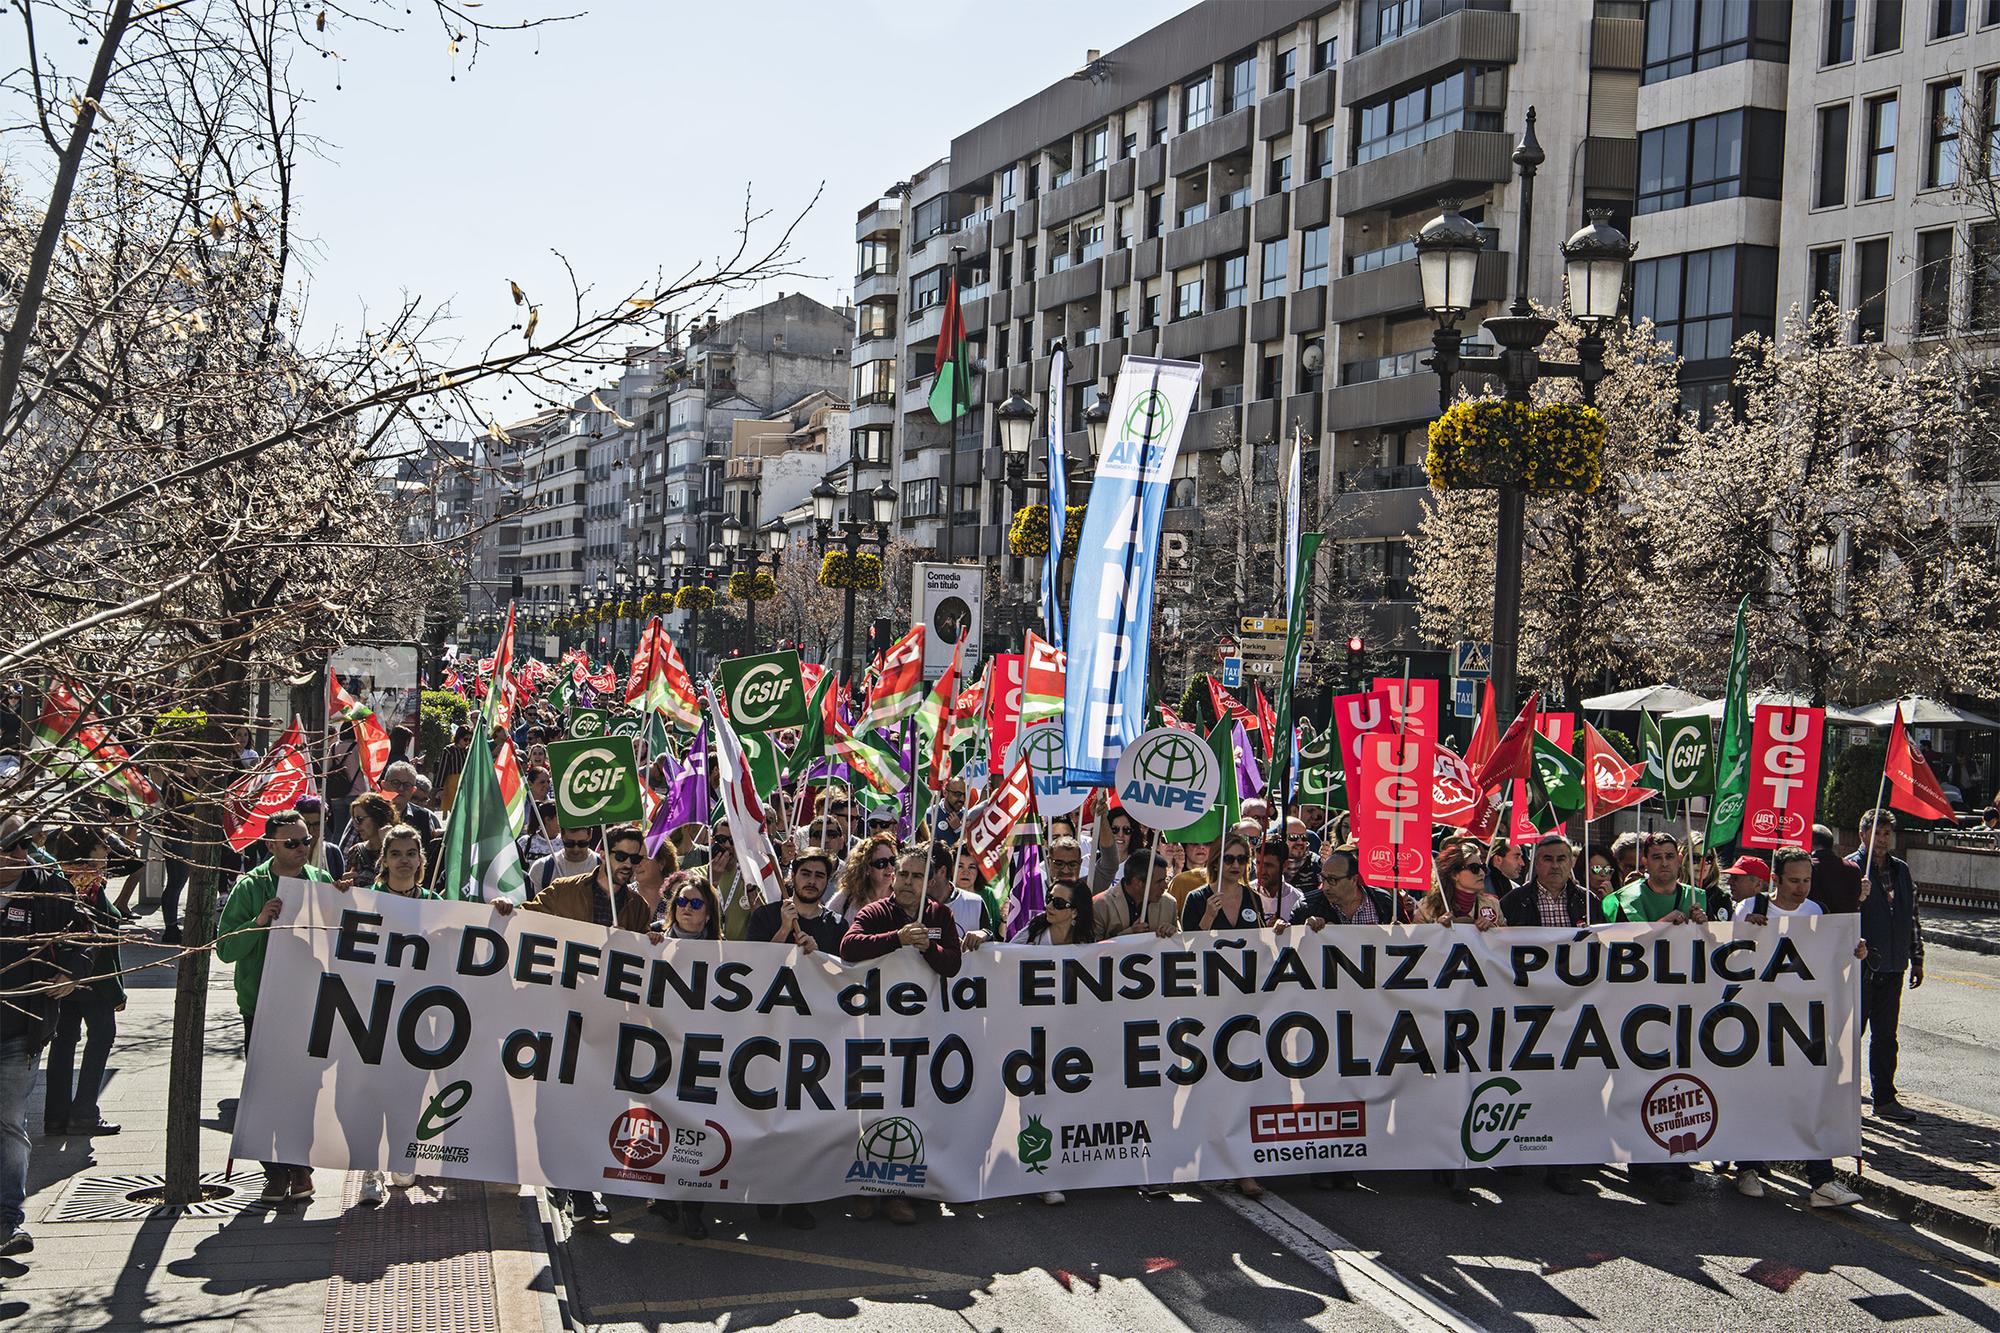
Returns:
point(1488, 443)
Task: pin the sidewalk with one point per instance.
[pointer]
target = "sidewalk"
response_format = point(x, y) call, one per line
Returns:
point(1941, 1170)
point(1975, 932)
point(469, 1256)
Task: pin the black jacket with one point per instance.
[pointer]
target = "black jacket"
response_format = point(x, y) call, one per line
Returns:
point(1520, 907)
point(1889, 919)
point(40, 908)
point(1316, 904)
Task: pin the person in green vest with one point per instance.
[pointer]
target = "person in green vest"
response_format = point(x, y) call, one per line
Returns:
point(240, 939)
point(1658, 895)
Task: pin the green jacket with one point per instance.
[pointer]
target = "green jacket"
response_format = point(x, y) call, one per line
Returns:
point(1635, 902)
point(238, 941)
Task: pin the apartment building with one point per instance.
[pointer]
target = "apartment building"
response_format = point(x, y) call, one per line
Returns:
point(1238, 186)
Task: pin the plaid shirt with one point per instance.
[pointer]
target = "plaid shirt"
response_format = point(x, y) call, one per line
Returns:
point(1552, 906)
point(1364, 913)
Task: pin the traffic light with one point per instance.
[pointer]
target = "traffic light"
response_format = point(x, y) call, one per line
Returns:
point(1357, 653)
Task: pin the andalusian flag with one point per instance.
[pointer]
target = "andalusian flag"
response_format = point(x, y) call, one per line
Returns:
point(1044, 670)
point(898, 691)
point(812, 737)
point(480, 860)
point(370, 738)
point(867, 762)
point(937, 717)
point(659, 682)
point(498, 711)
point(84, 749)
point(951, 391)
point(513, 791)
point(1732, 751)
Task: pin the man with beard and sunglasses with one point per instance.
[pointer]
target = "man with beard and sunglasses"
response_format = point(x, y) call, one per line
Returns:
point(605, 896)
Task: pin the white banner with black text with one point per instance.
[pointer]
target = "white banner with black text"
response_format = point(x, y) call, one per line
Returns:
point(443, 1039)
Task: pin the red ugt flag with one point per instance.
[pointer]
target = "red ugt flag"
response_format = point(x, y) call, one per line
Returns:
point(1913, 788)
point(273, 786)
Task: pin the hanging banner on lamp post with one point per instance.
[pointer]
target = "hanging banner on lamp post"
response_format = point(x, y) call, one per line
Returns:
point(1111, 592)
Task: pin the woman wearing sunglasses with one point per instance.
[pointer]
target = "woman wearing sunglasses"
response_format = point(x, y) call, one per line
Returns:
point(1601, 876)
point(1227, 904)
point(689, 910)
point(867, 877)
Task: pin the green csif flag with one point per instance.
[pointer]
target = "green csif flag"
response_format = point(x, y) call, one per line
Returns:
point(1228, 806)
point(480, 859)
point(1558, 775)
point(1687, 761)
point(1732, 749)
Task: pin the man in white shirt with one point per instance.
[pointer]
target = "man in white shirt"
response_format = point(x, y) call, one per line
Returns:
point(575, 858)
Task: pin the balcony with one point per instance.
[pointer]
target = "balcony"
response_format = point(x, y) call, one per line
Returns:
point(884, 217)
point(875, 283)
point(1217, 332)
point(1394, 288)
point(1224, 234)
point(1075, 283)
point(923, 325)
point(1611, 166)
point(1461, 163)
point(1223, 137)
point(1073, 200)
point(1617, 43)
point(1448, 34)
point(1383, 510)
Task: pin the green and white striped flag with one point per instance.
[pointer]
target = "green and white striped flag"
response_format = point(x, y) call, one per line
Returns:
point(479, 859)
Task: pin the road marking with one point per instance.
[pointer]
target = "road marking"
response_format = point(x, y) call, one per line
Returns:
point(744, 1300)
point(1367, 1280)
point(1959, 979)
point(1852, 1221)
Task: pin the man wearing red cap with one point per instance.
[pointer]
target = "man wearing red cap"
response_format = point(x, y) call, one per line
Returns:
point(1748, 877)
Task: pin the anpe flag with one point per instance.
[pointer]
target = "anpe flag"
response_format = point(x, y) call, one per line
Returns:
point(951, 394)
point(479, 859)
point(1913, 788)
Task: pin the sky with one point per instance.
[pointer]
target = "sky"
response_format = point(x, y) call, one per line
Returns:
point(627, 138)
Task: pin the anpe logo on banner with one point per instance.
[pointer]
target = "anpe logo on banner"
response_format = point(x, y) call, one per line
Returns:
point(1308, 1120)
point(1042, 743)
point(1167, 778)
point(638, 1140)
point(1140, 448)
point(889, 1156)
point(1492, 1120)
point(1679, 1113)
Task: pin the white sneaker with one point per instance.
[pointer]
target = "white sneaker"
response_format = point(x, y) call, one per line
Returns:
point(1053, 1197)
point(1749, 1184)
point(371, 1193)
point(1833, 1194)
point(401, 1180)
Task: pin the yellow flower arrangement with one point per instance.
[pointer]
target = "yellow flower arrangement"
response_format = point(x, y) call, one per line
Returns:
point(861, 571)
point(1490, 442)
point(745, 586)
point(1028, 535)
point(694, 598)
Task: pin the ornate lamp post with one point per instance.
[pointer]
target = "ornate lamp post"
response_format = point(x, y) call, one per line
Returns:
point(746, 558)
point(851, 532)
point(1448, 249)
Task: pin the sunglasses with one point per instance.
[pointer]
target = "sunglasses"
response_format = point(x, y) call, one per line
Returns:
point(691, 903)
point(722, 844)
point(628, 858)
point(1060, 904)
point(1297, 837)
point(583, 846)
point(1235, 860)
point(884, 864)
point(293, 844)
point(1601, 870)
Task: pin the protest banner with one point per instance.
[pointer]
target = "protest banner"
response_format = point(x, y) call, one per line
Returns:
point(1784, 776)
point(440, 1038)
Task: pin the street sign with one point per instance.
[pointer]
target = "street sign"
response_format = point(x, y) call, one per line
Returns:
point(1464, 697)
point(1268, 625)
point(1262, 666)
point(1232, 672)
point(1471, 659)
point(596, 781)
point(1261, 647)
point(765, 692)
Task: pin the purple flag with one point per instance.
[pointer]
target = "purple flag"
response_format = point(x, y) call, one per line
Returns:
point(906, 800)
point(1249, 778)
point(687, 792)
point(1030, 889)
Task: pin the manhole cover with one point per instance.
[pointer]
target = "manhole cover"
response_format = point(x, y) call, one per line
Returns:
point(128, 1198)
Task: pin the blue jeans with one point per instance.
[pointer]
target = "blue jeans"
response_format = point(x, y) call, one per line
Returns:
point(18, 1057)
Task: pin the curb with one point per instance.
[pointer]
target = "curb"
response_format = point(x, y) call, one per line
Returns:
point(1960, 940)
point(1921, 1205)
point(519, 1215)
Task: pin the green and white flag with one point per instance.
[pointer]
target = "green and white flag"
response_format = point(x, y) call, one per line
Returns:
point(479, 859)
point(1732, 750)
point(1558, 775)
point(1687, 759)
point(1650, 753)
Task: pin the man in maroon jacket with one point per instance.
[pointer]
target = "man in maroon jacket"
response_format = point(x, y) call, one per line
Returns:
point(907, 919)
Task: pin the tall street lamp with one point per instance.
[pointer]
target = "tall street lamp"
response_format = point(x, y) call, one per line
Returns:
point(851, 532)
point(745, 558)
point(1016, 418)
point(1596, 259)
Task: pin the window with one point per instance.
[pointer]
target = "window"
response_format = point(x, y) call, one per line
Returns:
point(1197, 102)
point(1467, 99)
point(1878, 167)
point(1326, 53)
point(1701, 301)
point(1272, 266)
point(1312, 257)
point(1028, 269)
point(1271, 376)
point(1698, 161)
point(932, 217)
point(1096, 149)
point(1183, 491)
point(1885, 31)
point(1322, 152)
point(1832, 188)
point(927, 289)
point(1683, 36)
point(1871, 283)
point(1156, 213)
point(1941, 153)
point(1128, 146)
point(967, 501)
point(1285, 72)
point(875, 381)
point(876, 257)
point(1989, 115)
point(1824, 269)
point(871, 443)
point(1193, 213)
point(1010, 187)
point(1983, 289)
point(1156, 119)
point(1947, 18)
point(1239, 83)
point(1149, 311)
point(1933, 282)
point(1089, 241)
point(1281, 174)
point(1187, 296)
point(874, 319)
point(1839, 31)
point(1235, 281)
point(1125, 227)
point(922, 499)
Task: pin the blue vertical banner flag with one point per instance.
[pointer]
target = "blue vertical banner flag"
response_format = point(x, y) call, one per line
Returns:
point(1052, 612)
point(1111, 592)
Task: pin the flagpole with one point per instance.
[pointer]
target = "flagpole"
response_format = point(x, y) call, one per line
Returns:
point(1881, 793)
point(326, 766)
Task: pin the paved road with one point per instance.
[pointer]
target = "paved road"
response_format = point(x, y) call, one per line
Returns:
point(1399, 1253)
point(1951, 1030)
